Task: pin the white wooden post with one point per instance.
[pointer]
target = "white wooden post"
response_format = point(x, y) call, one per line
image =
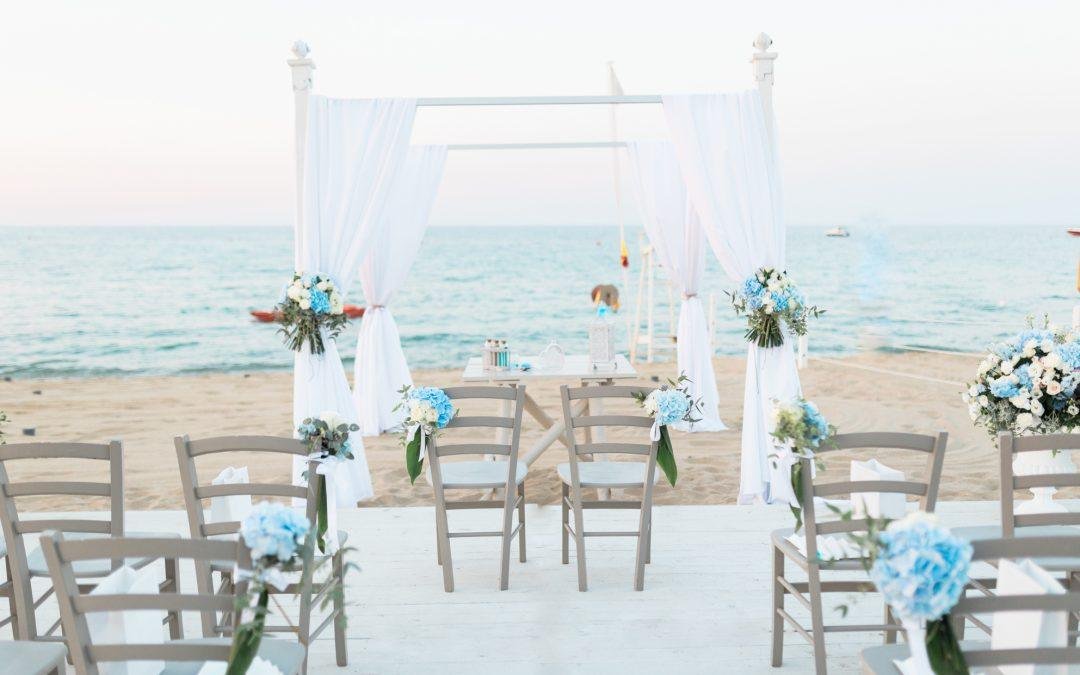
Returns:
point(302, 79)
point(762, 62)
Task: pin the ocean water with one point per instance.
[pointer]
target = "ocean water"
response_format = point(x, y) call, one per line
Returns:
point(80, 302)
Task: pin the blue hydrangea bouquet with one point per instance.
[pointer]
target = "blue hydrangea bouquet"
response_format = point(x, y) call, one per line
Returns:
point(800, 428)
point(771, 301)
point(327, 438)
point(669, 404)
point(920, 569)
point(312, 305)
point(1028, 384)
point(428, 410)
point(277, 537)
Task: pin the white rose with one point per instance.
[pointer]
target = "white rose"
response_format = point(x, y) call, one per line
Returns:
point(1024, 421)
point(331, 418)
point(1006, 367)
point(984, 401)
point(1047, 346)
point(305, 303)
point(1037, 409)
point(1072, 410)
point(1020, 401)
point(774, 284)
point(1029, 348)
point(1052, 361)
point(322, 285)
point(974, 390)
point(294, 292)
point(768, 307)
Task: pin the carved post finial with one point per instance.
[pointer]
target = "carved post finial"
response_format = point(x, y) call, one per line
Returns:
point(301, 66)
point(762, 42)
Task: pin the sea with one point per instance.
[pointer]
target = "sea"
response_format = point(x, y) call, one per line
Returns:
point(101, 301)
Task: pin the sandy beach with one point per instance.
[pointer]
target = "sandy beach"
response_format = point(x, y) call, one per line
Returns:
point(147, 412)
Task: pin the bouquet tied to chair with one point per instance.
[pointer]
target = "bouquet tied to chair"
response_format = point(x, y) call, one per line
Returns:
point(428, 409)
point(327, 439)
point(668, 404)
point(799, 429)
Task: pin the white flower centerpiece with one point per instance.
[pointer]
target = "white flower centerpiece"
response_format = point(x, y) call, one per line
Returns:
point(312, 310)
point(1027, 385)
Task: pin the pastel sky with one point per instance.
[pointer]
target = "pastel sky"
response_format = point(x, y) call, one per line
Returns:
point(928, 113)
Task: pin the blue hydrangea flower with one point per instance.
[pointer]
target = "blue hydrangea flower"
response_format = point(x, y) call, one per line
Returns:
point(1070, 354)
point(1003, 387)
point(921, 569)
point(438, 400)
point(815, 423)
point(320, 301)
point(752, 288)
point(671, 406)
point(780, 301)
point(274, 531)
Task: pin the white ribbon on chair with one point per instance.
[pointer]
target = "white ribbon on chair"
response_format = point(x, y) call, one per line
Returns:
point(273, 576)
point(919, 662)
point(339, 491)
point(780, 465)
point(654, 432)
point(259, 666)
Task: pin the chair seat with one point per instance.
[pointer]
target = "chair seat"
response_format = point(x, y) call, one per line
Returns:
point(478, 474)
point(35, 561)
point(878, 660)
point(780, 541)
point(976, 532)
point(286, 655)
point(32, 658)
point(608, 474)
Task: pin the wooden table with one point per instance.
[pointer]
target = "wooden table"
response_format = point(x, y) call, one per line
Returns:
point(576, 369)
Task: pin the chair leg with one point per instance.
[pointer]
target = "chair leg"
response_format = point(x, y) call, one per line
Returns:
point(579, 545)
point(565, 524)
point(778, 592)
point(639, 558)
point(11, 601)
point(521, 523)
point(817, 620)
point(341, 646)
point(438, 544)
point(1073, 584)
point(172, 579)
point(444, 538)
point(890, 635)
point(648, 542)
point(507, 528)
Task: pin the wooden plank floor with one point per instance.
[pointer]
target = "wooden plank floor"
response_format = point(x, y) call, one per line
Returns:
point(705, 608)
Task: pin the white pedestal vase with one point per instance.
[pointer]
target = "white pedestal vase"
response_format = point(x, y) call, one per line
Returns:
point(1041, 463)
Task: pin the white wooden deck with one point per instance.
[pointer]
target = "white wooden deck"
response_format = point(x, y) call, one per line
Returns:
point(705, 608)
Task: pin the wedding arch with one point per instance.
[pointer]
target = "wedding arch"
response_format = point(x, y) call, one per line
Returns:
point(364, 196)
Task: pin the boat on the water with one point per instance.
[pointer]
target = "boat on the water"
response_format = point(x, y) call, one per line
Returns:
point(264, 316)
point(1073, 231)
point(837, 232)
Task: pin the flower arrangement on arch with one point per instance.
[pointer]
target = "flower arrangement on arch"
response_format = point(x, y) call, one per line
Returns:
point(327, 438)
point(771, 301)
point(428, 410)
point(312, 310)
point(920, 569)
point(1029, 384)
point(800, 429)
point(668, 404)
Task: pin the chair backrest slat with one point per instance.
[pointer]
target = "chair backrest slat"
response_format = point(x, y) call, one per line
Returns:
point(1009, 446)
point(513, 401)
point(206, 446)
point(463, 421)
point(614, 448)
point(609, 391)
point(481, 391)
point(253, 489)
point(15, 528)
point(473, 449)
point(926, 488)
point(611, 420)
point(76, 602)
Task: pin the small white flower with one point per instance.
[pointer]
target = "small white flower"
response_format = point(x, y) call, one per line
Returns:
point(1072, 409)
point(1029, 348)
point(1052, 361)
point(984, 401)
point(1037, 409)
point(1024, 421)
point(305, 303)
point(1021, 401)
point(1047, 345)
point(1006, 367)
point(322, 285)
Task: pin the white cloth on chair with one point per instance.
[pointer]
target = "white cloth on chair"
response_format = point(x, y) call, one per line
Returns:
point(231, 507)
point(891, 505)
point(380, 369)
point(1028, 630)
point(675, 234)
point(731, 168)
point(128, 627)
point(353, 149)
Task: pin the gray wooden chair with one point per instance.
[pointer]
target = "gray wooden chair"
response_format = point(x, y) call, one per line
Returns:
point(509, 475)
point(181, 657)
point(979, 654)
point(578, 475)
point(7, 589)
point(195, 493)
point(809, 593)
point(1032, 524)
point(33, 658)
point(26, 566)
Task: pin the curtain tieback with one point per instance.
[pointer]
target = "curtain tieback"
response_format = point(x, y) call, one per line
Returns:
point(373, 307)
point(689, 296)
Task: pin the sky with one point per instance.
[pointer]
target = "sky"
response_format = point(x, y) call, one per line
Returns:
point(130, 112)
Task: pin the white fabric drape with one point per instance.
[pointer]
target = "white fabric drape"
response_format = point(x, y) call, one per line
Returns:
point(352, 148)
point(732, 174)
point(380, 369)
point(675, 234)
